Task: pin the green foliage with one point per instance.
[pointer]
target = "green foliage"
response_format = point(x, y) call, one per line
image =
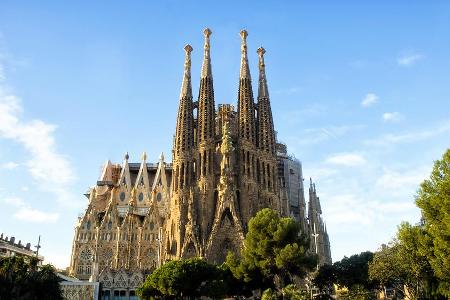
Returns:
point(434, 200)
point(325, 278)
point(404, 264)
point(289, 292)
point(186, 278)
point(22, 280)
point(357, 292)
point(274, 251)
point(386, 267)
point(270, 294)
point(353, 271)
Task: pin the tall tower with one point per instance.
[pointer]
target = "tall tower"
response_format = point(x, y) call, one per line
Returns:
point(320, 243)
point(267, 164)
point(183, 164)
point(248, 194)
point(206, 143)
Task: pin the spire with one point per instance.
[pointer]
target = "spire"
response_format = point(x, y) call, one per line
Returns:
point(245, 71)
point(266, 131)
point(246, 106)
point(186, 86)
point(263, 90)
point(206, 104)
point(206, 66)
point(185, 132)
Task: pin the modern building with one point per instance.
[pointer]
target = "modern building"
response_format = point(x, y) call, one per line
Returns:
point(9, 248)
point(290, 175)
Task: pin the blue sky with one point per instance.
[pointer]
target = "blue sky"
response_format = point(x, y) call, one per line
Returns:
point(360, 93)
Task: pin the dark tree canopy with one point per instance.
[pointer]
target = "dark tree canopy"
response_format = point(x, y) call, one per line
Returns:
point(22, 280)
point(192, 277)
point(274, 251)
point(353, 271)
point(350, 273)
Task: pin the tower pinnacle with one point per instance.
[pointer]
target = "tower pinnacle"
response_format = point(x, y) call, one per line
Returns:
point(206, 96)
point(186, 87)
point(245, 71)
point(184, 130)
point(206, 67)
point(263, 90)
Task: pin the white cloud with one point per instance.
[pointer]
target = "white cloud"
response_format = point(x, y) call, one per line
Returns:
point(346, 159)
point(403, 182)
point(14, 201)
point(392, 117)
point(369, 100)
point(409, 137)
point(9, 165)
point(311, 136)
point(409, 60)
point(46, 165)
point(28, 214)
point(349, 209)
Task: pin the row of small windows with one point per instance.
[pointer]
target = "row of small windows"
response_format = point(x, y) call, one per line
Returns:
point(84, 269)
point(87, 236)
point(118, 295)
point(122, 196)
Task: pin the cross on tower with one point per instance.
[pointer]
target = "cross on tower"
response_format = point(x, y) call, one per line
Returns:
point(38, 246)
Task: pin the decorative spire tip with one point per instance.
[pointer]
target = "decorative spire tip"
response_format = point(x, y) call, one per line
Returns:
point(244, 34)
point(127, 156)
point(261, 51)
point(207, 32)
point(188, 48)
point(144, 156)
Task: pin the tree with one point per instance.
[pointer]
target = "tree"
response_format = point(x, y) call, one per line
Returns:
point(404, 264)
point(25, 280)
point(325, 278)
point(185, 278)
point(433, 198)
point(274, 251)
point(386, 268)
point(353, 271)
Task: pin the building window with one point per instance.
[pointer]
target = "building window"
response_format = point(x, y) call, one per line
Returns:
point(141, 197)
point(106, 295)
point(122, 196)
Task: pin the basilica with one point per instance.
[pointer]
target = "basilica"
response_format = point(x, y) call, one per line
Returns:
point(226, 166)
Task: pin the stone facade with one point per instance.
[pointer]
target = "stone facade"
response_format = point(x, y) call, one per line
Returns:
point(224, 169)
point(320, 242)
point(224, 164)
point(122, 225)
